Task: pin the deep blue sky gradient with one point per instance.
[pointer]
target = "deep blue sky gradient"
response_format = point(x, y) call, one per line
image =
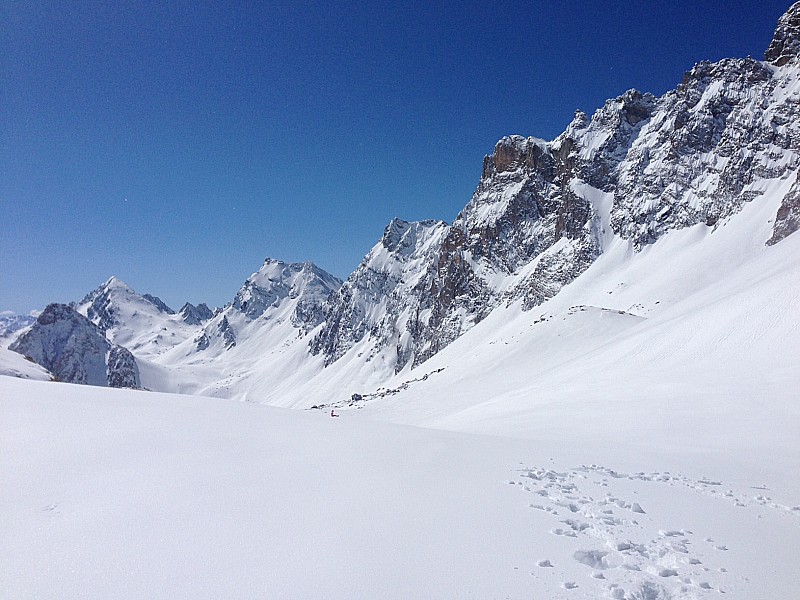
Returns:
point(177, 144)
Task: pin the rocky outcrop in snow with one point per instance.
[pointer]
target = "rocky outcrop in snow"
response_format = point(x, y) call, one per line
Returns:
point(158, 303)
point(123, 372)
point(76, 351)
point(195, 315)
point(787, 221)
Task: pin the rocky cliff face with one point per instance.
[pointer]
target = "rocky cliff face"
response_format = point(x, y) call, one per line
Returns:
point(383, 298)
point(158, 303)
point(76, 350)
point(785, 46)
point(544, 211)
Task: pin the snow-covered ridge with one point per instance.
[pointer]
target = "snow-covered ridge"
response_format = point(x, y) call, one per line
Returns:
point(277, 292)
point(641, 170)
point(543, 212)
point(140, 322)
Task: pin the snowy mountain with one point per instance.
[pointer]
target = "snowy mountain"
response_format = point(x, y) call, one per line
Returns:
point(141, 323)
point(11, 323)
point(277, 292)
point(642, 167)
point(75, 350)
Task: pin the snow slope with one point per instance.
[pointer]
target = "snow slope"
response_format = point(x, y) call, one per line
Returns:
point(704, 322)
point(16, 365)
point(141, 494)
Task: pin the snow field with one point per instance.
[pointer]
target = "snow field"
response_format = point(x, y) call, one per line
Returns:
point(109, 493)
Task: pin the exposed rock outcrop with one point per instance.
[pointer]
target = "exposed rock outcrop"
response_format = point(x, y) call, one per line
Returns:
point(195, 315)
point(158, 303)
point(76, 350)
point(785, 46)
point(787, 221)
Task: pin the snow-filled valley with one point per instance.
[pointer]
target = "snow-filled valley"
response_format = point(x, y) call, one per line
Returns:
point(585, 387)
point(126, 494)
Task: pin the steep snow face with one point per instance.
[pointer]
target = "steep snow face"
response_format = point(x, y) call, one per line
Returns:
point(276, 293)
point(75, 350)
point(141, 323)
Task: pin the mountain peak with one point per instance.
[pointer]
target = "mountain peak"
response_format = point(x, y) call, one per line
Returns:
point(513, 152)
point(276, 280)
point(785, 45)
point(115, 282)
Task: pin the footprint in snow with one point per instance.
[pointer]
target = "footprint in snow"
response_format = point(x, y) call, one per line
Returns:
point(544, 563)
point(569, 585)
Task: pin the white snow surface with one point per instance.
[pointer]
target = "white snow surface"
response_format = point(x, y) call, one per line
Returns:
point(115, 493)
point(16, 365)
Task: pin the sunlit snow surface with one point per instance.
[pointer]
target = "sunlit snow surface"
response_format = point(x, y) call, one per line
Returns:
point(125, 494)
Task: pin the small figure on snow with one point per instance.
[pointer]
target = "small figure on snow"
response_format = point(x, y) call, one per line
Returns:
point(333, 414)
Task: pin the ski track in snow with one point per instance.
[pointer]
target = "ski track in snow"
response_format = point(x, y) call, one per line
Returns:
point(629, 555)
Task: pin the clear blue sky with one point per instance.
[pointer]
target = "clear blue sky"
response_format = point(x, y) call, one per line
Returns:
point(177, 144)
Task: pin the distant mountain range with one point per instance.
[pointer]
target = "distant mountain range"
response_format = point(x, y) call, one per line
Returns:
point(601, 197)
